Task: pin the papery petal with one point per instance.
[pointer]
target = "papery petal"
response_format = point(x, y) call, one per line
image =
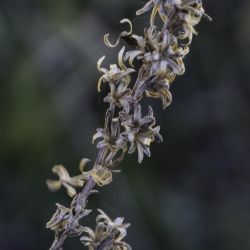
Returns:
point(96, 136)
point(131, 55)
point(132, 148)
point(61, 171)
point(149, 5)
point(140, 152)
point(99, 63)
point(83, 163)
point(108, 43)
point(120, 58)
point(125, 20)
point(54, 185)
point(140, 41)
point(70, 190)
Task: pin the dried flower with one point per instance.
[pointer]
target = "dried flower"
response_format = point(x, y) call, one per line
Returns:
point(166, 60)
point(160, 89)
point(59, 219)
point(120, 95)
point(65, 180)
point(139, 131)
point(159, 6)
point(111, 137)
point(115, 74)
point(160, 52)
point(101, 175)
point(107, 235)
point(123, 34)
point(64, 220)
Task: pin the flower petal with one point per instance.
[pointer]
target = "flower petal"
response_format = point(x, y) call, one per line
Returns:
point(149, 5)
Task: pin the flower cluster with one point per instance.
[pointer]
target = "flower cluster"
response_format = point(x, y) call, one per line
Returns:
point(70, 183)
point(108, 234)
point(62, 221)
point(160, 53)
point(139, 131)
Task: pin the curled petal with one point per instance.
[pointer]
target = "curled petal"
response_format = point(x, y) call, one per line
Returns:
point(99, 63)
point(132, 148)
point(149, 5)
point(61, 171)
point(131, 55)
point(70, 190)
point(97, 135)
point(108, 43)
point(140, 152)
point(125, 20)
point(120, 59)
point(153, 15)
point(140, 41)
point(100, 83)
point(83, 163)
point(124, 33)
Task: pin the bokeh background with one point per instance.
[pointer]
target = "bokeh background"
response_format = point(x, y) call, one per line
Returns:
point(193, 193)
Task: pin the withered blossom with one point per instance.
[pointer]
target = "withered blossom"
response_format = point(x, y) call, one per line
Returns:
point(70, 183)
point(108, 234)
point(188, 15)
point(123, 34)
point(160, 52)
point(167, 56)
point(63, 221)
point(101, 175)
point(162, 7)
point(115, 73)
point(160, 89)
point(59, 219)
point(139, 131)
point(111, 137)
point(120, 95)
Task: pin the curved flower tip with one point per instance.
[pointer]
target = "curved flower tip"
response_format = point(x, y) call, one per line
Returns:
point(83, 163)
point(115, 74)
point(101, 70)
point(126, 20)
point(121, 58)
point(65, 180)
point(123, 34)
point(99, 63)
point(108, 43)
point(209, 18)
point(149, 5)
point(131, 55)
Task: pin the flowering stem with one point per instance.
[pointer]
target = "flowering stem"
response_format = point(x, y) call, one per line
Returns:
point(161, 53)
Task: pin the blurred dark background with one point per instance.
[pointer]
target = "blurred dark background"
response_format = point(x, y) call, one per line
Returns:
point(193, 193)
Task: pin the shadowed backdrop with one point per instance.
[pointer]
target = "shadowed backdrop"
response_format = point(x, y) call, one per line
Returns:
point(192, 194)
